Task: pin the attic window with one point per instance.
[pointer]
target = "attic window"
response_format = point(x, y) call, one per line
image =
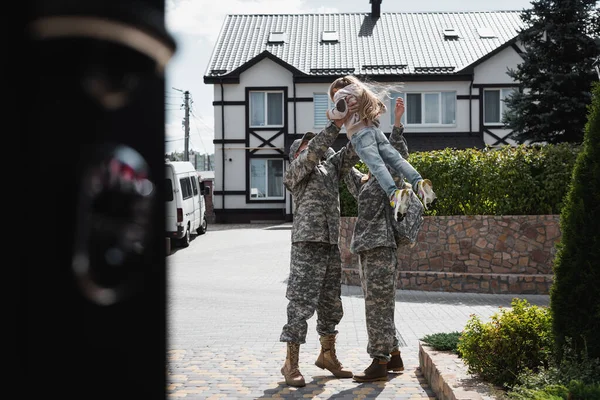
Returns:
point(330, 36)
point(486, 32)
point(277, 37)
point(450, 33)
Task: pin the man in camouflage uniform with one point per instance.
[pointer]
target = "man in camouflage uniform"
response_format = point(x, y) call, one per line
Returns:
point(314, 283)
point(376, 239)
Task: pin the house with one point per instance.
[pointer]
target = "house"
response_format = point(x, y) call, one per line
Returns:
point(271, 73)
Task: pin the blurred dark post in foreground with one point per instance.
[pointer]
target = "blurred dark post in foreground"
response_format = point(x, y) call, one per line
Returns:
point(95, 282)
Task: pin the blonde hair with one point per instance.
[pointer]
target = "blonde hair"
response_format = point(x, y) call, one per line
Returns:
point(370, 104)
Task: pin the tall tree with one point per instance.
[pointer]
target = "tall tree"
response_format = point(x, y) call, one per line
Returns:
point(556, 74)
point(574, 299)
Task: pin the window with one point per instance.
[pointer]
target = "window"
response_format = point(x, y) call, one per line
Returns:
point(169, 189)
point(330, 36)
point(277, 37)
point(186, 188)
point(493, 105)
point(266, 109)
point(431, 108)
point(195, 187)
point(266, 179)
point(450, 33)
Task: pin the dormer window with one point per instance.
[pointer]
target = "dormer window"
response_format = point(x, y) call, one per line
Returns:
point(330, 37)
point(277, 37)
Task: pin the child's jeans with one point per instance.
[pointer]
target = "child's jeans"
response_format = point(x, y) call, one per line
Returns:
point(375, 150)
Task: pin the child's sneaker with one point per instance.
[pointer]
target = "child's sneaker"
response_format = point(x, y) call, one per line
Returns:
point(399, 201)
point(425, 192)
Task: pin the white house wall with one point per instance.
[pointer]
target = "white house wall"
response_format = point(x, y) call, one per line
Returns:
point(266, 73)
point(235, 167)
point(234, 114)
point(493, 73)
point(494, 70)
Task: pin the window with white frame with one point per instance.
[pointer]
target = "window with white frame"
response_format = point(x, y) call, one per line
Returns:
point(266, 179)
point(426, 108)
point(266, 109)
point(494, 106)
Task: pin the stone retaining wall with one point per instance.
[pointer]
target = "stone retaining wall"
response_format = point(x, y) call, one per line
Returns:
point(480, 254)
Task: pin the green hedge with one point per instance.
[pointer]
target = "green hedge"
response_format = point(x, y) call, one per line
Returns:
point(511, 180)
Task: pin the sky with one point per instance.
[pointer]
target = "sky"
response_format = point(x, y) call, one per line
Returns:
point(195, 25)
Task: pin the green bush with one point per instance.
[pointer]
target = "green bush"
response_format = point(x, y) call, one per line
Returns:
point(576, 373)
point(446, 341)
point(574, 299)
point(581, 391)
point(550, 392)
point(512, 341)
point(521, 180)
point(574, 390)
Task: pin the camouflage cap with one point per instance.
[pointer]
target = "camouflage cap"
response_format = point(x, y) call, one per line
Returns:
point(296, 144)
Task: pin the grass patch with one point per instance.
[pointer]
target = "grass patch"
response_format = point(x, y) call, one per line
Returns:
point(447, 341)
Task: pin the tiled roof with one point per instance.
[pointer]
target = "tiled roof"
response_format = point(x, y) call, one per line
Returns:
point(396, 43)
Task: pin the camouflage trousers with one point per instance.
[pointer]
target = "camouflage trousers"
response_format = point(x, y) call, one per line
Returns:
point(378, 270)
point(314, 284)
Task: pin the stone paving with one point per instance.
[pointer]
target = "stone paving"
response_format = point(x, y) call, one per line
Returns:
point(227, 305)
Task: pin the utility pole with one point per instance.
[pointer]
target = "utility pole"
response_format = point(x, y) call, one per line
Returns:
point(186, 124)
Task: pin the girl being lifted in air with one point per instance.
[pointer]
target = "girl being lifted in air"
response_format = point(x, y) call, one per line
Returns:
point(371, 144)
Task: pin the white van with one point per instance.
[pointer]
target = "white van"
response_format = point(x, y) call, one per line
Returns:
point(185, 202)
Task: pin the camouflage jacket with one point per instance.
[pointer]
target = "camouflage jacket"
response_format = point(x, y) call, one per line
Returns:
point(314, 181)
point(375, 225)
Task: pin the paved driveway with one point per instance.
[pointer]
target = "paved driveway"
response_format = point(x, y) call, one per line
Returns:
point(226, 308)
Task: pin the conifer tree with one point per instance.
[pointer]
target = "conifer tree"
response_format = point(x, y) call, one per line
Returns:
point(575, 292)
point(556, 73)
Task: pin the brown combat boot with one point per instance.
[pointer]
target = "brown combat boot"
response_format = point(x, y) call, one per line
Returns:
point(395, 364)
point(328, 360)
point(290, 370)
point(377, 371)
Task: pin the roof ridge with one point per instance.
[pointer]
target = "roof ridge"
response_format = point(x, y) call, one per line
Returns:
point(383, 13)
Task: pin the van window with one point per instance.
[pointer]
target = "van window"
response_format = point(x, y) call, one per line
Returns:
point(186, 188)
point(195, 187)
point(169, 189)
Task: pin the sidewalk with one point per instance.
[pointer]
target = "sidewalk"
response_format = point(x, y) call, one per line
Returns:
point(227, 306)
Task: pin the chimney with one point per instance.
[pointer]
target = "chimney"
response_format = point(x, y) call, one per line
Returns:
point(375, 8)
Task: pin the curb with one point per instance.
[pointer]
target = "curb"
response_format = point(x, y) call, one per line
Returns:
point(448, 377)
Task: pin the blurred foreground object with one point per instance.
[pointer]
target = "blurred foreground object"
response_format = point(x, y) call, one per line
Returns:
point(95, 279)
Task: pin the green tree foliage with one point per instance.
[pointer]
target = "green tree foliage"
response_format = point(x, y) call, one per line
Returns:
point(574, 296)
point(556, 73)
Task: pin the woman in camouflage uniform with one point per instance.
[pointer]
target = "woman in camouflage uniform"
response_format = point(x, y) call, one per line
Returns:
point(314, 284)
point(376, 239)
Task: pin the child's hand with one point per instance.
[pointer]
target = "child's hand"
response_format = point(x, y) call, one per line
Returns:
point(399, 109)
point(352, 104)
